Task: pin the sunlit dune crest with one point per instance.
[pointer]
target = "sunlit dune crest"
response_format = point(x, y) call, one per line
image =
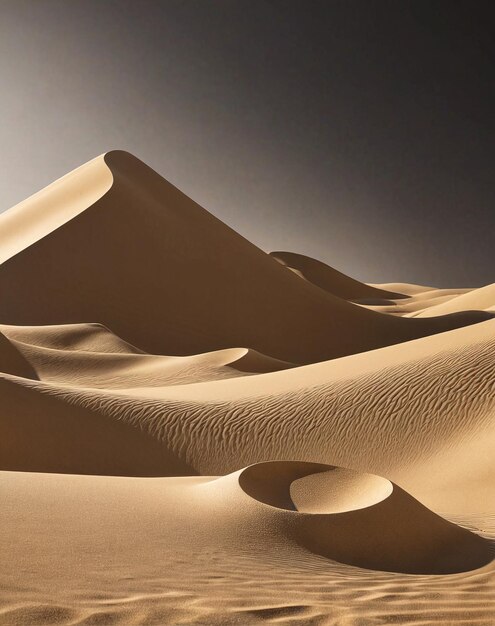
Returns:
point(193, 431)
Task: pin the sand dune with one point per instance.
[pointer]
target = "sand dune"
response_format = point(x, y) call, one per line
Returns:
point(330, 279)
point(409, 289)
point(50, 208)
point(195, 432)
point(12, 361)
point(477, 299)
point(75, 337)
point(412, 305)
point(210, 289)
point(326, 412)
point(41, 433)
point(77, 361)
point(408, 307)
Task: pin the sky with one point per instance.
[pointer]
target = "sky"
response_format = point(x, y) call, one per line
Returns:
point(357, 132)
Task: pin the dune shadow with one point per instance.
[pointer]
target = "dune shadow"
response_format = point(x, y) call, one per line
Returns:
point(363, 520)
point(13, 362)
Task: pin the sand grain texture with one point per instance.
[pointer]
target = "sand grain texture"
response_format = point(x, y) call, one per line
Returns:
point(193, 431)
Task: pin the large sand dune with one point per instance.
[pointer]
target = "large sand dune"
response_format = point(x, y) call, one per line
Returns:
point(178, 410)
point(186, 282)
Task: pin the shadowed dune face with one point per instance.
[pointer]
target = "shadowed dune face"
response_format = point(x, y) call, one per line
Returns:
point(331, 280)
point(313, 487)
point(210, 288)
point(389, 412)
point(39, 433)
point(89, 355)
point(368, 522)
point(12, 360)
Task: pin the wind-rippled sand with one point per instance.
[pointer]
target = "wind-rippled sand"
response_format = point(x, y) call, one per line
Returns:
point(195, 432)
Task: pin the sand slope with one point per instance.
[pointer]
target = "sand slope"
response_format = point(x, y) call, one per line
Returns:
point(88, 355)
point(181, 282)
point(204, 550)
point(401, 534)
point(391, 412)
point(330, 279)
point(192, 433)
point(477, 299)
point(12, 361)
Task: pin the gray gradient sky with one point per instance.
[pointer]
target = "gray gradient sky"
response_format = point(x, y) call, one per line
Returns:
point(361, 133)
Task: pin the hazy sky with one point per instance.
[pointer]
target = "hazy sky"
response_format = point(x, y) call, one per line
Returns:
point(361, 133)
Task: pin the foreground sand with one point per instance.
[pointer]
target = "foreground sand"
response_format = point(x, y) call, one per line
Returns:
point(106, 550)
point(180, 464)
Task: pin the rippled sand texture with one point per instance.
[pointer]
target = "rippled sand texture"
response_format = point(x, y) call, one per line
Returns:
point(195, 432)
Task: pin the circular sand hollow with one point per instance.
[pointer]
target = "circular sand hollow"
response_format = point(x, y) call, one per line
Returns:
point(362, 520)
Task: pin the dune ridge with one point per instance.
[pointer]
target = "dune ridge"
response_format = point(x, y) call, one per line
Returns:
point(193, 431)
point(31, 220)
point(215, 426)
point(330, 279)
point(75, 360)
point(477, 299)
point(12, 360)
point(222, 292)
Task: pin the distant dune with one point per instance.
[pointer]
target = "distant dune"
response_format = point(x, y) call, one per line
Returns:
point(330, 279)
point(477, 299)
point(193, 431)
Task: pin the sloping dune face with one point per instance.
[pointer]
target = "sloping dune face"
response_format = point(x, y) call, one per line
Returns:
point(12, 361)
point(401, 534)
point(195, 432)
point(39, 215)
point(209, 288)
point(330, 279)
point(89, 355)
point(477, 299)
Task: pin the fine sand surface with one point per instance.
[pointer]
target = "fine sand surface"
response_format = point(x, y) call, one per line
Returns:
point(193, 431)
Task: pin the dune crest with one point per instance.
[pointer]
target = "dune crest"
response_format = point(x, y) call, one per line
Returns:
point(330, 279)
point(12, 360)
point(148, 353)
point(89, 355)
point(31, 220)
point(313, 487)
point(477, 299)
point(210, 288)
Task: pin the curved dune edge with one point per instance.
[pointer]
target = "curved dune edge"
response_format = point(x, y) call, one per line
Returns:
point(12, 361)
point(41, 433)
point(330, 279)
point(55, 205)
point(482, 299)
point(313, 487)
point(91, 356)
point(383, 528)
point(211, 289)
point(89, 337)
point(256, 362)
point(409, 289)
point(409, 307)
